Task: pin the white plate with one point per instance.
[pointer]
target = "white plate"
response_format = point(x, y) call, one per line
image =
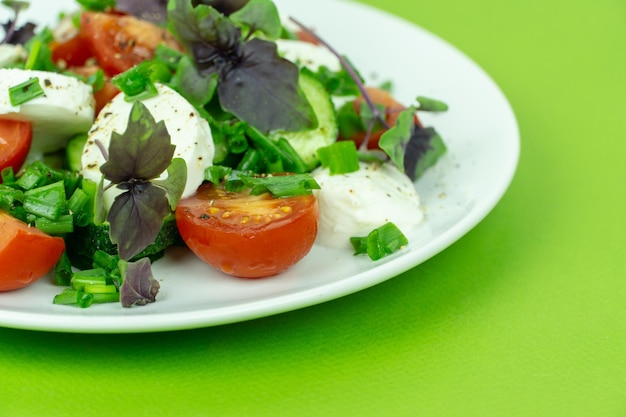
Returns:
point(483, 140)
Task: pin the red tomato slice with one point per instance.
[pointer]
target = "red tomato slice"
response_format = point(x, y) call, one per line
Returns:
point(26, 253)
point(247, 236)
point(15, 140)
point(119, 42)
point(393, 109)
point(74, 52)
point(106, 93)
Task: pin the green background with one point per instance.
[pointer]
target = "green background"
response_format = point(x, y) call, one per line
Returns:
point(524, 316)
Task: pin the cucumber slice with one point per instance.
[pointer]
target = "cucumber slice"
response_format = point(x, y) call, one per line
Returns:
point(306, 142)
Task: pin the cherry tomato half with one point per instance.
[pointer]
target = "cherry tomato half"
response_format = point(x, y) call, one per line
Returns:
point(119, 42)
point(15, 140)
point(393, 109)
point(26, 253)
point(247, 236)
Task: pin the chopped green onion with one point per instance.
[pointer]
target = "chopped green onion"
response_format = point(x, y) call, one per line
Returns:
point(95, 276)
point(340, 157)
point(168, 56)
point(216, 173)
point(298, 166)
point(79, 205)
point(111, 297)
point(100, 289)
point(271, 151)
point(47, 201)
point(25, 92)
point(237, 144)
point(252, 161)
point(63, 271)
point(62, 225)
point(102, 259)
point(430, 104)
point(73, 297)
point(281, 186)
point(380, 242)
point(137, 83)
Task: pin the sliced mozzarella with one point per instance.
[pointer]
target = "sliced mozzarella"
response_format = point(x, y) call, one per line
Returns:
point(354, 204)
point(65, 109)
point(307, 54)
point(189, 132)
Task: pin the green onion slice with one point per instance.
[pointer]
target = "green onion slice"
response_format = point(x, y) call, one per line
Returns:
point(25, 92)
point(380, 242)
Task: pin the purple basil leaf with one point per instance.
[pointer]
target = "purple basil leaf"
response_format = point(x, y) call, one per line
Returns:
point(262, 89)
point(143, 152)
point(18, 36)
point(423, 150)
point(136, 216)
point(139, 287)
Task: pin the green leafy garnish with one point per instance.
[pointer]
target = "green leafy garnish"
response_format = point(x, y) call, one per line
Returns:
point(340, 157)
point(253, 82)
point(412, 148)
point(380, 242)
point(25, 91)
point(136, 158)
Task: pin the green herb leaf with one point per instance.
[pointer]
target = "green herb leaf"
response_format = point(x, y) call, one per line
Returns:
point(340, 157)
point(175, 182)
point(139, 287)
point(259, 16)
point(395, 140)
point(412, 148)
point(380, 242)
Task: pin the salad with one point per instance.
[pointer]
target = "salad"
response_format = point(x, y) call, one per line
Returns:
point(219, 126)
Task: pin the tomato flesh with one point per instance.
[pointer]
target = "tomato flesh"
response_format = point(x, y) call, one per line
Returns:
point(247, 236)
point(15, 140)
point(119, 42)
point(26, 253)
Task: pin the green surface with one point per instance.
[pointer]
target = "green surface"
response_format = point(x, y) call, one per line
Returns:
point(524, 316)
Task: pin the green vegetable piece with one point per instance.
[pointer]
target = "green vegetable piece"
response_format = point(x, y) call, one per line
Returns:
point(281, 186)
point(94, 276)
point(63, 271)
point(25, 91)
point(73, 297)
point(380, 242)
point(60, 226)
point(340, 157)
point(47, 201)
point(431, 104)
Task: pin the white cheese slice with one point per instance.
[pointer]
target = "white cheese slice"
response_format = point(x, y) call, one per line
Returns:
point(189, 132)
point(65, 109)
